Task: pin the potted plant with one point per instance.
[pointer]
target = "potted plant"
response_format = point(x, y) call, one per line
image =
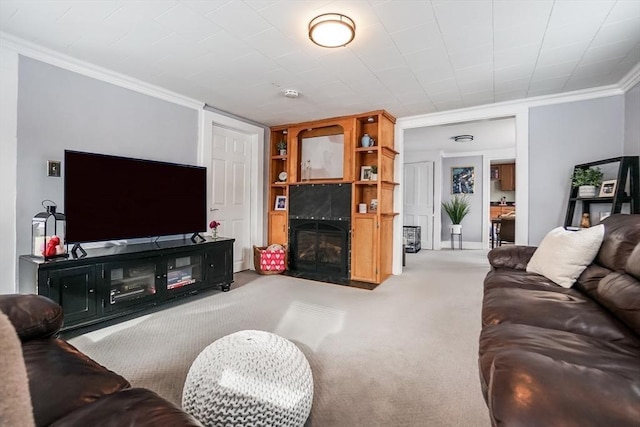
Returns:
point(457, 208)
point(374, 173)
point(281, 146)
point(586, 180)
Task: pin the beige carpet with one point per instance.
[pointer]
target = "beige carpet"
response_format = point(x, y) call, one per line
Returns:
point(404, 354)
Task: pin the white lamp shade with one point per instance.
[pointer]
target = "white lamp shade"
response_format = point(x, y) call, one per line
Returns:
point(332, 30)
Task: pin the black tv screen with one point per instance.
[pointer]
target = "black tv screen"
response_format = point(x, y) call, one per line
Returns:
point(110, 197)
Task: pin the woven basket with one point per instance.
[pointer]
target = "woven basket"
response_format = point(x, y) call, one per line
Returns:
point(259, 252)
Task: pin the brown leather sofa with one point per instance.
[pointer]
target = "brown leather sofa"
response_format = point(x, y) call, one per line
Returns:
point(67, 388)
point(551, 356)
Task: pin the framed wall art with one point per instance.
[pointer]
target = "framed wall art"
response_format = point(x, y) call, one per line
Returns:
point(462, 179)
point(608, 188)
point(365, 173)
point(281, 203)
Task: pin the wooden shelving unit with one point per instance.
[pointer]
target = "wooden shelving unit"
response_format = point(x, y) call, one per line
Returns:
point(278, 163)
point(371, 232)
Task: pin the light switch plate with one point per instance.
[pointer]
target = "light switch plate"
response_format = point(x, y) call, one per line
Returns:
point(53, 168)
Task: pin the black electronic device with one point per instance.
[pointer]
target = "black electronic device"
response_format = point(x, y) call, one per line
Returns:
point(110, 197)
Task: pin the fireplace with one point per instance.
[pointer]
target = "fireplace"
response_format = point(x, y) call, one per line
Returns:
point(320, 248)
point(319, 232)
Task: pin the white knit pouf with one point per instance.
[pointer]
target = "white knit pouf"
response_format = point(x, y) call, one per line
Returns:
point(249, 378)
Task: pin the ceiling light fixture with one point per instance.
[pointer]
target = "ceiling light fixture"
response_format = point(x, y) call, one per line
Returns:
point(370, 119)
point(332, 30)
point(291, 93)
point(462, 138)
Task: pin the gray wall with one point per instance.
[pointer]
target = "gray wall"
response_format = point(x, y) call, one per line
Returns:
point(59, 109)
point(561, 136)
point(472, 228)
point(632, 121)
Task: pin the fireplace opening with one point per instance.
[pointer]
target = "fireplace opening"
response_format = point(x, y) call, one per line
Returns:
point(320, 248)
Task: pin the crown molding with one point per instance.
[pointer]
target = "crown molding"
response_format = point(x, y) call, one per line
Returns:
point(50, 56)
point(506, 108)
point(630, 79)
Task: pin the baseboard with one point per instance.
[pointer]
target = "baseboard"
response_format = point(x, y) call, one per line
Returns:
point(446, 244)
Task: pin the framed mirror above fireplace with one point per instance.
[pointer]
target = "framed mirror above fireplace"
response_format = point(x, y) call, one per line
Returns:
point(322, 153)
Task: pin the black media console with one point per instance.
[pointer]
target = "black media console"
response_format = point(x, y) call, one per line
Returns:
point(115, 281)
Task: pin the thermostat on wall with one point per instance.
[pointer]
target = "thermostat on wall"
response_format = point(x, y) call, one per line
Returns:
point(53, 168)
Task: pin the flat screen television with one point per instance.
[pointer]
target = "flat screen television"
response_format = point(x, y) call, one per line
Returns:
point(109, 197)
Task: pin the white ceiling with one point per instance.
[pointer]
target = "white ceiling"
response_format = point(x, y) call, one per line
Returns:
point(488, 135)
point(409, 56)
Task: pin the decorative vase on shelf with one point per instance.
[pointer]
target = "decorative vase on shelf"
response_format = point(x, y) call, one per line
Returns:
point(214, 233)
point(365, 141)
point(586, 191)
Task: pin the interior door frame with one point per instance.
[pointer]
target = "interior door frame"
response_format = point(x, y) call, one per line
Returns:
point(521, 113)
point(208, 119)
point(433, 212)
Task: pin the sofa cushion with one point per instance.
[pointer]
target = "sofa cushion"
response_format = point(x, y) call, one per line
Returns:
point(132, 407)
point(62, 379)
point(633, 263)
point(570, 311)
point(33, 316)
point(622, 234)
point(620, 293)
point(623, 358)
point(532, 389)
point(588, 281)
point(563, 255)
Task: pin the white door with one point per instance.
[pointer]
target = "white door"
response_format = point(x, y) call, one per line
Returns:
point(418, 199)
point(230, 201)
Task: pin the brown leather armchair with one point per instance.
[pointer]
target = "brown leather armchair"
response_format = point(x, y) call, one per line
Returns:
point(67, 388)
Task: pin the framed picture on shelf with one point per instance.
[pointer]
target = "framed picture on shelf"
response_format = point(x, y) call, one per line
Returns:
point(462, 180)
point(281, 203)
point(365, 173)
point(608, 188)
point(373, 207)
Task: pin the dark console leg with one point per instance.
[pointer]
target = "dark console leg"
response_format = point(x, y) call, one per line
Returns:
point(226, 287)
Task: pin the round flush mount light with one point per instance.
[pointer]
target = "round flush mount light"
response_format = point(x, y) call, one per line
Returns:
point(290, 93)
point(332, 30)
point(462, 138)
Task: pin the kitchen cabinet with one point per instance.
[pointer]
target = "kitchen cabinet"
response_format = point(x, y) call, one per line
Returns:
point(508, 177)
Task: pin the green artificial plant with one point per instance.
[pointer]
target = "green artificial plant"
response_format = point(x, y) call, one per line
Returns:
point(281, 145)
point(587, 176)
point(457, 208)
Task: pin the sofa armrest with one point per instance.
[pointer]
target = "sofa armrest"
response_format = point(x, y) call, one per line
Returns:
point(33, 316)
point(515, 257)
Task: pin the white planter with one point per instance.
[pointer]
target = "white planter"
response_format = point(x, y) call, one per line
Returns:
point(283, 152)
point(456, 228)
point(586, 191)
point(374, 176)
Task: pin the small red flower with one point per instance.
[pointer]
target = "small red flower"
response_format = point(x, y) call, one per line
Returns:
point(214, 224)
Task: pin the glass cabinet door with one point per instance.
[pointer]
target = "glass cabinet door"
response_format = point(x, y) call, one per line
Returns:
point(183, 272)
point(130, 282)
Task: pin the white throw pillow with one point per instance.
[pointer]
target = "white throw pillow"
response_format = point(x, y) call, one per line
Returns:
point(563, 255)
